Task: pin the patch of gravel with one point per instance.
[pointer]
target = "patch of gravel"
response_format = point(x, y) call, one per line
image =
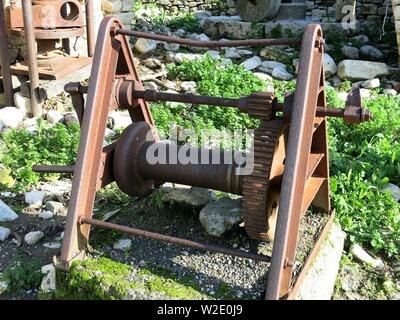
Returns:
point(217, 275)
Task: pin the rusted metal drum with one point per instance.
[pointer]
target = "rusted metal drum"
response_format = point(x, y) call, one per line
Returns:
point(257, 10)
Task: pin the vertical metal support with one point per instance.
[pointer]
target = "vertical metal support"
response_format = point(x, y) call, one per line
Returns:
point(296, 163)
point(90, 27)
point(5, 59)
point(32, 61)
point(112, 58)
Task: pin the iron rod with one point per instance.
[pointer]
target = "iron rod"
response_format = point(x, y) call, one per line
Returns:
point(156, 96)
point(90, 27)
point(241, 103)
point(174, 240)
point(32, 62)
point(5, 59)
point(53, 169)
point(209, 44)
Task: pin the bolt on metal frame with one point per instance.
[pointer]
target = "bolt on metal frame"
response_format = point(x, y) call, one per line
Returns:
point(115, 83)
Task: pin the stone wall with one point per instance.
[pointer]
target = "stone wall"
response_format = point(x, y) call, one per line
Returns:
point(396, 14)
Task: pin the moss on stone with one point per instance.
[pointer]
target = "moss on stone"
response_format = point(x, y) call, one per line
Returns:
point(104, 279)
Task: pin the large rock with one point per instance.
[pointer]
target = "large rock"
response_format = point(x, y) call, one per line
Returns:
point(145, 45)
point(6, 214)
point(355, 70)
point(371, 53)
point(257, 10)
point(10, 117)
point(221, 215)
point(319, 282)
point(196, 197)
point(276, 69)
point(252, 63)
point(330, 66)
point(240, 30)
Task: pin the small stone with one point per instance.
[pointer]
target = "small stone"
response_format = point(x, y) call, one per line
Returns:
point(390, 92)
point(221, 215)
point(232, 53)
point(189, 86)
point(52, 245)
point(371, 52)
point(142, 263)
point(199, 37)
point(22, 103)
point(54, 116)
point(365, 93)
point(4, 233)
point(145, 45)
point(342, 96)
point(111, 6)
point(71, 118)
point(371, 84)
point(197, 197)
point(171, 46)
point(123, 244)
point(361, 38)
point(393, 190)
point(3, 285)
point(6, 214)
point(46, 215)
point(276, 69)
point(33, 237)
point(213, 54)
point(152, 63)
point(350, 52)
point(35, 198)
point(10, 117)
point(57, 208)
point(49, 280)
point(244, 52)
point(181, 57)
point(263, 76)
point(252, 63)
point(361, 255)
point(119, 119)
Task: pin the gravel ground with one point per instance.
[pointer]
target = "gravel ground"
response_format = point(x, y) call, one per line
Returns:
point(213, 273)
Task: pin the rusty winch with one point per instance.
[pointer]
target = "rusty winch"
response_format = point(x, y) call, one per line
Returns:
point(290, 149)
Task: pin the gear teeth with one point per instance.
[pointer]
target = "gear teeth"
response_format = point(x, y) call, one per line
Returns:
point(260, 105)
point(256, 185)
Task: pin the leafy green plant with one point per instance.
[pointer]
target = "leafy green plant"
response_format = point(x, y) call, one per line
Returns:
point(21, 149)
point(23, 275)
point(186, 21)
point(363, 159)
point(215, 80)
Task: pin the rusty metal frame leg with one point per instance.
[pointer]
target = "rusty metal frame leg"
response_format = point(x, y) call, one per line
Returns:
point(298, 151)
point(5, 59)
point(32, 62)
point(112, 58)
